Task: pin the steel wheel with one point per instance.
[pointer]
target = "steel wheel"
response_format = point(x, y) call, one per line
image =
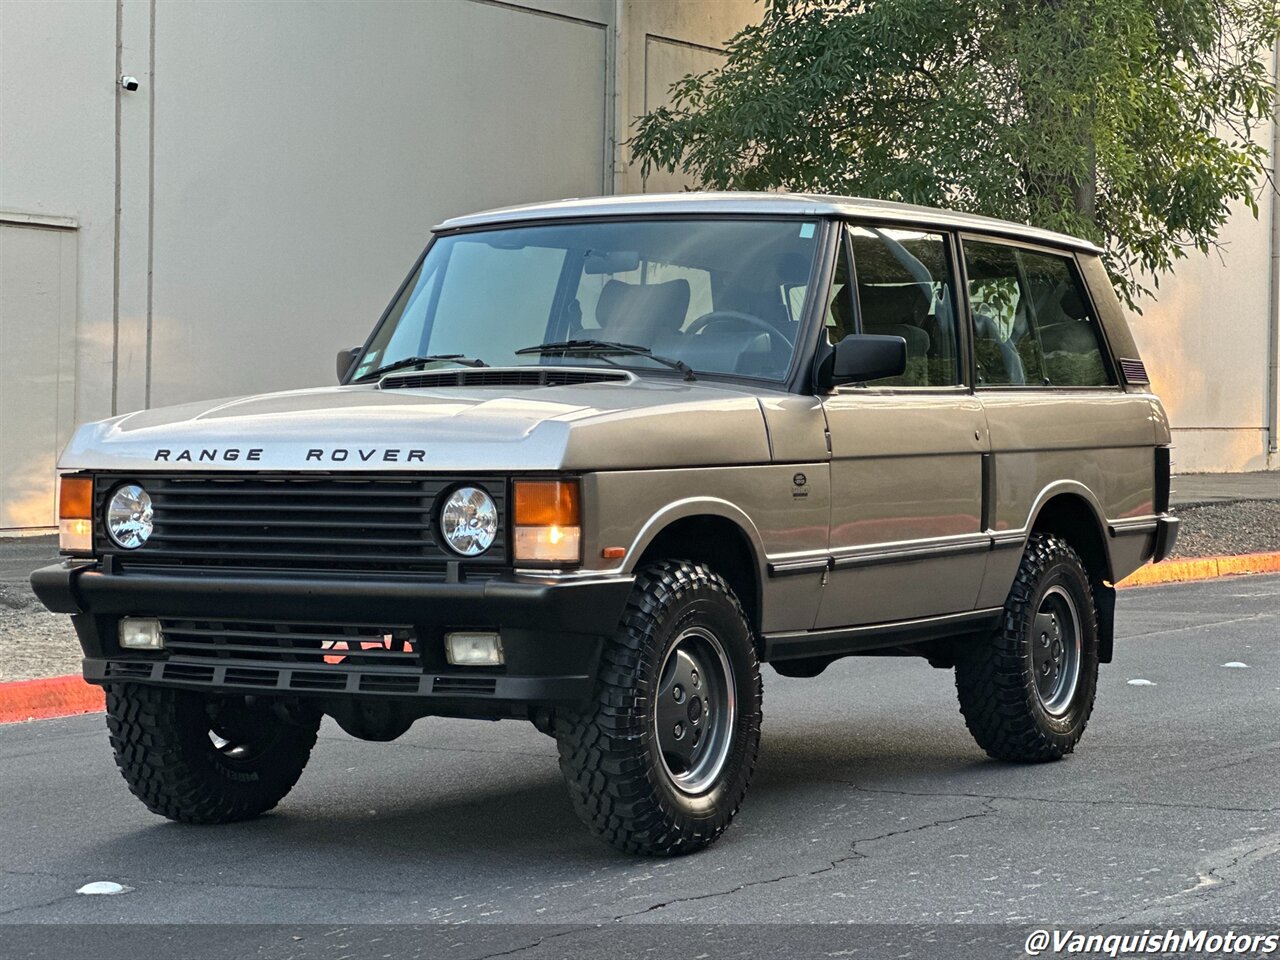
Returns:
point(1056, 651)
point(658, 761)
point(694, 713)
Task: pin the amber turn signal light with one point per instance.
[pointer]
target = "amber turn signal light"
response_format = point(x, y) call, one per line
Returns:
point(75, 498)
point(541, 503)
point(75, 516)
point(548, 520)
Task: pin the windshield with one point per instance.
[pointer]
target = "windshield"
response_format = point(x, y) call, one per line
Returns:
point(718, 296)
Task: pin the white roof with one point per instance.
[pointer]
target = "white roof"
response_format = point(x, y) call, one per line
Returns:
point(776, 204)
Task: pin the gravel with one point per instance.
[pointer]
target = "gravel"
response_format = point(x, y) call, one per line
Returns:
point(1227, 528)
point(36, 643)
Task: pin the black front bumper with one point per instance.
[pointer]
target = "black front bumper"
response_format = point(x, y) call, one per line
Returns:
point(551, 630)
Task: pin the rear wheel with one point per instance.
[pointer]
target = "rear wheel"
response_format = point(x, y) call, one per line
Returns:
point(197, 759)
point(1026, 693)
point(659, 762)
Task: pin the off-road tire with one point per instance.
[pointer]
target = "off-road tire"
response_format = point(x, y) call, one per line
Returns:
point(611, 762)
point(996, 680)
point(161, 741)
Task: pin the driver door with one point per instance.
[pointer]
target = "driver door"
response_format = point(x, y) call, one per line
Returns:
point(906, 538)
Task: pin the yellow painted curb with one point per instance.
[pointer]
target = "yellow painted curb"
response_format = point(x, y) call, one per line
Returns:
point(1201, 568)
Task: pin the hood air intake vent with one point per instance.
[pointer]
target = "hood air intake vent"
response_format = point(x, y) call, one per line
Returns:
point(502, 377)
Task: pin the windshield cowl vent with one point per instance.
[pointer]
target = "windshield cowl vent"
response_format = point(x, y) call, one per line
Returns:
point(502, 377)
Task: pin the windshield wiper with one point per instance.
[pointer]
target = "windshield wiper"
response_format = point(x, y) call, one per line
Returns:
point(418, 362)
point(603, 348)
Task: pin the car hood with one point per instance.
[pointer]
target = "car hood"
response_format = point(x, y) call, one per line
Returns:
point(646, 422)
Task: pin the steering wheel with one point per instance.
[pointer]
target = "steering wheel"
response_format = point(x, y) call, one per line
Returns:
point(733, 316)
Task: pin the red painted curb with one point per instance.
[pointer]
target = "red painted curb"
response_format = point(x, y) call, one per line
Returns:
point(50, 697)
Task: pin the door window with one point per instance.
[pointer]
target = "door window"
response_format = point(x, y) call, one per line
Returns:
point(1032, 322)
point(904, 289)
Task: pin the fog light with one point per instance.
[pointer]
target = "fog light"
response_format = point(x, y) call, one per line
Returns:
point(137, 633)
point(473, 649)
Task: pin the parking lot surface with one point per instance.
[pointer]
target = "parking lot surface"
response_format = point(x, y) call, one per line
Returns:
point(870, 805)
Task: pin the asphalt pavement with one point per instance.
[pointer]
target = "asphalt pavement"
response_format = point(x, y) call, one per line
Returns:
point(870, 805)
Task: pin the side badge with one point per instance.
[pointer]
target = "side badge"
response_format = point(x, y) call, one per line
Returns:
point(798, 483)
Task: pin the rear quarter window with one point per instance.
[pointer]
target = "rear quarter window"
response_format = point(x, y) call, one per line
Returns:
point(1033, 322)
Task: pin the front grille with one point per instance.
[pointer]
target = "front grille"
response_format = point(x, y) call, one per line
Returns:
point(304, 644)
point(298, 522)
point(524, 377)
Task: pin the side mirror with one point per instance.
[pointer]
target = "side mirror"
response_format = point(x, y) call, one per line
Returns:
point(346, 360)
point(861, 357)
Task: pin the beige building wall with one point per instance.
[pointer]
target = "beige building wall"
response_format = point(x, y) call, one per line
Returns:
point(1209, 339)
point(252, 206)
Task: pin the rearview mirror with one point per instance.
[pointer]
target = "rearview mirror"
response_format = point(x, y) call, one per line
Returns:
point(862, 357)
point(346, 359)
point(600, 262)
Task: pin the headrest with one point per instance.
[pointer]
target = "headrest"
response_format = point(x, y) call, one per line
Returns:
point(917, 340)
point(984, 322)
point(1073, 305)
point(644, 310)
point(901, 303)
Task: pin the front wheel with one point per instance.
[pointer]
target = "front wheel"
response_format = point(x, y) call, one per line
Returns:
point(660, 760)
point(197, 759)
point(1027, 692)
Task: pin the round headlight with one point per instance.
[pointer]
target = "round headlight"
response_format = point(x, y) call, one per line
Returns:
point(129, 516)
point(469, 521)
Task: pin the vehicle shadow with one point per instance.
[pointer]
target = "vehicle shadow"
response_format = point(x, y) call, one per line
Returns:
point(480, 811)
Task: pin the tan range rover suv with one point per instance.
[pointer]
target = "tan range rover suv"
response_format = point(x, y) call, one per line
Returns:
point(596, 463)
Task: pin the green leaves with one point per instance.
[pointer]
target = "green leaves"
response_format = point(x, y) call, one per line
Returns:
point(1132, 122)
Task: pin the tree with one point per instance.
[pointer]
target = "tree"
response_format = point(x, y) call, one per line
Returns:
point(1130, 122)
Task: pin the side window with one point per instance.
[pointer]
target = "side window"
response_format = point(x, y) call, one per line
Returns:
point(1069, 334)
point(839, 320)
point(1031, 321)
point(904, 289)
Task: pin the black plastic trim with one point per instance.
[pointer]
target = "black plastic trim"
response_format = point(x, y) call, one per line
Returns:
point(254, 676)
point(1166, 538)
point(847, 640)
point(575, 606)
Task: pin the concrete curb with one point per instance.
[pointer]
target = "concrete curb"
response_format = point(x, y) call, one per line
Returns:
point(68, 696)
point(1201, 568)
point(50, 697)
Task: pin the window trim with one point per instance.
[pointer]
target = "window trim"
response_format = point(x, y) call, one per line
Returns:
point(1104, 345)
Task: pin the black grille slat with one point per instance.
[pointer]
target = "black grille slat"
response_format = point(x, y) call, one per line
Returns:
point(299, 654)
point(297, 558)
point(276, 538)
point(303, 644)
point(325, 523)
point(275, 507)
point(295, 524)
point(287, 632)
point(389, 683)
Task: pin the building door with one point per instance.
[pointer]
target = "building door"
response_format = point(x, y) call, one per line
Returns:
point(37, 365)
